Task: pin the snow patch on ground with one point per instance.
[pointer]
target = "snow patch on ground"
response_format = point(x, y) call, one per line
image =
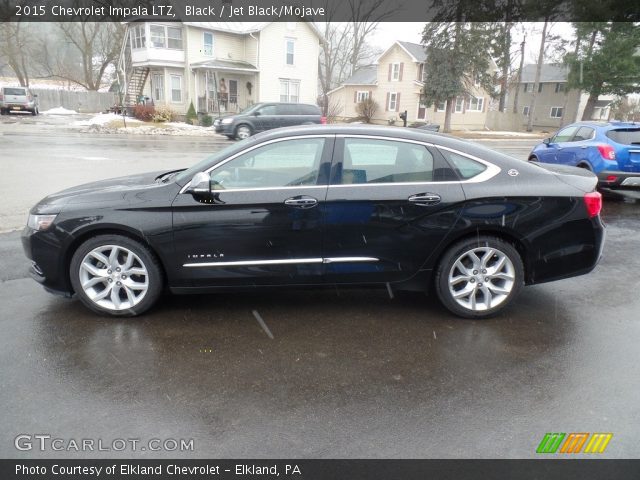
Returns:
point(504, 133)
point(104, 118)
point(59, 111)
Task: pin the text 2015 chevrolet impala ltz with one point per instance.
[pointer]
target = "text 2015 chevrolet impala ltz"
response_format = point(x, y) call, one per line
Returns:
point(322, 205)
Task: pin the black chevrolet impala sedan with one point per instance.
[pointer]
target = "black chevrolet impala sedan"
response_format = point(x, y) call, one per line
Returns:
point(318, 206)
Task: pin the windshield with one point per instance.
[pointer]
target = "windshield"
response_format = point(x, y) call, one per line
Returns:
point(250, 109)
point(187, 175)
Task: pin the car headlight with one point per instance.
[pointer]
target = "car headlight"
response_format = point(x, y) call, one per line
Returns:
point(226, 121)
point(40, 222)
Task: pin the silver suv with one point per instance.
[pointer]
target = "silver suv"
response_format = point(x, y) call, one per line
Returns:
point(16, 99)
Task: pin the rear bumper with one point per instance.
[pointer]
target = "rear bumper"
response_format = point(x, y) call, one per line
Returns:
point(617, 180)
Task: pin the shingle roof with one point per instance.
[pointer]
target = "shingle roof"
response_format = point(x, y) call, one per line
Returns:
point(550, 72)
point(416, 50)
point(363, 76)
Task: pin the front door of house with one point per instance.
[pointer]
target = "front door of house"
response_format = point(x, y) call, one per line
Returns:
point(233, 94)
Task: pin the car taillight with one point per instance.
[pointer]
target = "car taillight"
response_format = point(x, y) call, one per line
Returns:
point(323, 120)
point(607, 152)
point(593, 202)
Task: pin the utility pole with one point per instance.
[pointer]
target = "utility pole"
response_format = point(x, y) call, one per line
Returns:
point(515, 96)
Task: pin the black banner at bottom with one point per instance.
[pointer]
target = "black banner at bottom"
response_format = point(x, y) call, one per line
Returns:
point(565, 469)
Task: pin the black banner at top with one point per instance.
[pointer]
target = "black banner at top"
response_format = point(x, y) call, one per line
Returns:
point(318, 10)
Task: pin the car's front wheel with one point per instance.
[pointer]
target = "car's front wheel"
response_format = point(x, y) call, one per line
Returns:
point(478, 277)
point(115, 275)
point(243, 131)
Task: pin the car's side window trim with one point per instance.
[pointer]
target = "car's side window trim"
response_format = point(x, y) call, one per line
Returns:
point(327, 149)
point(491, 171)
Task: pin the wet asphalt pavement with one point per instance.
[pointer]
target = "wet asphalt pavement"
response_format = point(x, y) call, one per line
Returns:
point(348, 373)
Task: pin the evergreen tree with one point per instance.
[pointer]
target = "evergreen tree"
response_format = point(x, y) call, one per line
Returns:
point(606, 60)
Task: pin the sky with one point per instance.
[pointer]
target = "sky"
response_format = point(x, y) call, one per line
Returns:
point(388, 32)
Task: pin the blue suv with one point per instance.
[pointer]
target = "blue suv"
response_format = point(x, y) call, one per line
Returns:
point(611, 150)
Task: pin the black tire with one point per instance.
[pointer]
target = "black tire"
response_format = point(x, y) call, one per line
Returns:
point(2, 111)
point(240, 128)
point(447, 268)
point(34, 112)
point(533, 158)
point(148, 260)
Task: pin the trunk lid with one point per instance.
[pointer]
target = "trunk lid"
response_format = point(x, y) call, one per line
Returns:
point(580, 178)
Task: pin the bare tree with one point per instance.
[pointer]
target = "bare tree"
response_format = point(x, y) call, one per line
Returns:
point(365, 17)
point(83, 53)
point(16, 49)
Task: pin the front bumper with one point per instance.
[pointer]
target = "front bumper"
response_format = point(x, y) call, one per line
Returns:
point(223, 128)
point(45, 250)
point(618, 180)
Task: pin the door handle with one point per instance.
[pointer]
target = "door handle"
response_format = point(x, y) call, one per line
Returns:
point(425, 199)
point(301, 202)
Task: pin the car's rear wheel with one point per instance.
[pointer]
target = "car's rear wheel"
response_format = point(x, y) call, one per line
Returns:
point(34, 112)
point(115, 275)
point(533, 158)
point(243, 131)
point(478, 277)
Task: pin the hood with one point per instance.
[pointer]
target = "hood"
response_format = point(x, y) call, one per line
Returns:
point(101, 191)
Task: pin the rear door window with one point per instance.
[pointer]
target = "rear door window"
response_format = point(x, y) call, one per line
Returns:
point(385, 161)
point(583, 133)
point(625, 136)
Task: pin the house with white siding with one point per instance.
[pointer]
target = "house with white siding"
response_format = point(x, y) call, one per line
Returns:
point(395, 82)
point(219, 66)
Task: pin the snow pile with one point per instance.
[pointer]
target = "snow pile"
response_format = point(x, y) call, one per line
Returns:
point(59, 111)
point(504, 133)
point(104, 118)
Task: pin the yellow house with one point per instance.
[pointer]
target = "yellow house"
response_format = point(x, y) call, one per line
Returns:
point(395, 82)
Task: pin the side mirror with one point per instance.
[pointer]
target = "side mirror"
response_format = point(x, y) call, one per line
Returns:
point(546, 141)
point(200, 184)
point(257, 113)
point(35, 95)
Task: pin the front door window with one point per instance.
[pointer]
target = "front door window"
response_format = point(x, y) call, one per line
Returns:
point(282, 164)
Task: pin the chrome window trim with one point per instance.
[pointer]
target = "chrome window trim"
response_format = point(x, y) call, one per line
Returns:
point(284, 261)
point(491, 171)
point(253, 147)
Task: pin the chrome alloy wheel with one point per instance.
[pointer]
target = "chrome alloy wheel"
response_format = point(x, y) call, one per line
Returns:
point(481, 278)
point(114, 277)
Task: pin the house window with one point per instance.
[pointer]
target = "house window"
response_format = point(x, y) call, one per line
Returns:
point(395, 71)
point(138, 39)
point(207, 44)
point(289, 90)
point(361, 96)
point(442, 106)
point(540, 88)
point(290, 48)
point(525, 110)
point(176, 88)
point(556, 112)
point(459, 104)
point(158, 87)
point(476, 104)
point(393, 102)
point(559, 87)
point(528, 88)
point(163, 36)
